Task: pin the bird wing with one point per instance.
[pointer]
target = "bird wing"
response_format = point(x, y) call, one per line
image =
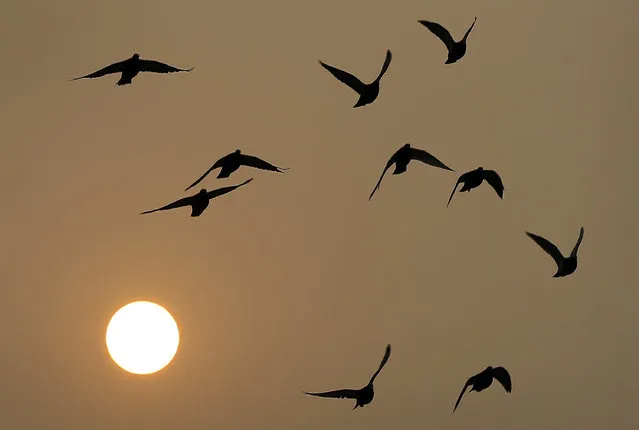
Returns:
point(439, 31)
point(251, 161)
point(494, 180)
point(469, 382)
point(387, 62)
point(470, 28)
point(502, 375)
point(345, 77)
point(157, 67)
point(459, 181)
point(113, 68)
point(186, 201)
point(576, 248)
point(221, 191)
point(218, 163)
point(425, 157)
point(337, 394)
point(388, 164)
point(382, 364)
point(547, 246)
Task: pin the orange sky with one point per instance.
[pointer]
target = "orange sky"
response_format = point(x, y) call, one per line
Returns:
point(297, 282)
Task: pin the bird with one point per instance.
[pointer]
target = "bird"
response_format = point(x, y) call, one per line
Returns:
point(456, 50)
point(200, 201)
point(367, 92)
point(484, 379)
point(231, 162)
point(403, 156)
point(474, 178)
point(131, 67)
point(363, 396)
point(565, 265)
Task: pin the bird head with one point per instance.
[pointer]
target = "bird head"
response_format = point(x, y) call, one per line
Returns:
point(406, 146)
point(136, 56)
point(237, 151)
point(202, 191)
point(480, 169)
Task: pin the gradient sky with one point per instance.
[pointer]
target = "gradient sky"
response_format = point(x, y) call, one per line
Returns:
point(297, 282)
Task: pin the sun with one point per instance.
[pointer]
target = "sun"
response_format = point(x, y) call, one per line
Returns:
point(142, 337)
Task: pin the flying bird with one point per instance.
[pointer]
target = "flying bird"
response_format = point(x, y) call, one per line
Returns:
point(403, 156)
point(367, 92)
point(565, 265)
point(131, 67)
point(231, 162)
point(456, 50)
point(484, 379)
point(363, 396)
point(474, 178)
point(199, 201)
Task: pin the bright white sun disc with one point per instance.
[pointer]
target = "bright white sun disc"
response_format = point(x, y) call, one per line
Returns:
point(142, 337)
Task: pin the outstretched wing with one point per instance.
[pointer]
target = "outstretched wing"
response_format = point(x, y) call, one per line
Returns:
point(425, 157)
point(459, 181)
point(337, 394)
point(221, 191)
point(186, 201)
point(576, 248)
point(157, 67)
point(469, 29)
point(251, 161)
point(113, 68)
point(387, 62)
point(547, 246)
point(502, 375)
point(379, 182)
point(494, 180)
point(439, 31)
point(345, 77)
point(218, 163)
point(382, 364)
point(468, 384)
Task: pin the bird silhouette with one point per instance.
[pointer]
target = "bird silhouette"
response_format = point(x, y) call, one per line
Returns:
point(131, 67)
point(456, 50)
point(367, 92)
point(363, 396)
point(403, 156)
point(474, 178)
point(231, 162)
point(565, 265)
point(199, 201)
point(484, 379)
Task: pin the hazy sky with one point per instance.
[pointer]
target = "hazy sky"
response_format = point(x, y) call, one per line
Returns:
point(297, 282)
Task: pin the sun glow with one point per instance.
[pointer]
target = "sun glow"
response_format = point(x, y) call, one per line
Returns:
point(142, 337)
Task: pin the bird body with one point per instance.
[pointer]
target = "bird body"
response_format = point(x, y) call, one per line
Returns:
point(484, 379)
point(364, 395)
point(367, 92)
point(474, 178)
point(402, 157)
point(456, 50)
point(198, 202)
point(130, 68)
point(232, 162)
point(565, 265)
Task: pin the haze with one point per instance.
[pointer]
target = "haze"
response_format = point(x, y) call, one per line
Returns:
point(297, 282)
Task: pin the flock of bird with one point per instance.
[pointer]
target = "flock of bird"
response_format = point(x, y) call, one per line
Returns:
point(368, 93)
